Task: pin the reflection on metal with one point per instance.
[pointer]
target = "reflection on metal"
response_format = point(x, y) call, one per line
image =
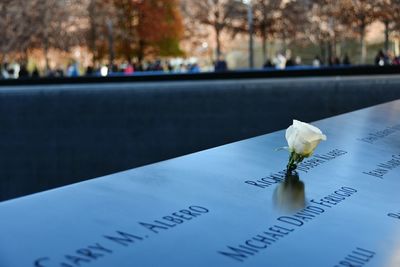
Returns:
point(289, 196)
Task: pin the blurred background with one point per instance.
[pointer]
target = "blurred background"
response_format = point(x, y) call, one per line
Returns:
point(69, 38)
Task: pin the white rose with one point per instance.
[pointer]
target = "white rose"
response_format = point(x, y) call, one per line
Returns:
point(303, 138)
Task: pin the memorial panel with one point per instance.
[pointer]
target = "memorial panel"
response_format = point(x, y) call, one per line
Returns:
point(227, 206)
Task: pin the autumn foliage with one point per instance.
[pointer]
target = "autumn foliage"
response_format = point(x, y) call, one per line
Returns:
point(142, 28)
point(127, 29)
point(160, 26)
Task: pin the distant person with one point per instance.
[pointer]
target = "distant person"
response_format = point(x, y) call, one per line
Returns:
point(297, 61)
point(381, 59)
point(89, 71)
point(170, 67)
point(290, 62)
point(103, 71)
point(280, 61)
point(149, 66)
point(59, 72)
point(346, 60)
point(220, 65)
point(182, 68)
point(289, 59)
point(11, 73)
point(194, 68)
point(114, 68)
point(50, 73)
point(334, 61)
point(389, 57)
point(4, 71)
point(396, 60)
point(138, 66)
point(72, 70)
point(158, 66)
point(23, 72)
point(268, 64)
point(316, 62)
point(35, 73)
point(129, 70)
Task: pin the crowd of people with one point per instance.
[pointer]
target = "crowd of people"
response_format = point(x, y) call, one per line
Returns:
point(280, 61)
point(384, 59)
point(20, 70)
point(128, 68)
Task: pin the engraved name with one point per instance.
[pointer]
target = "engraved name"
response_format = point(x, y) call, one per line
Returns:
point(357, 258)
point(109, 243)
point(373, 137)
point(384, 168)
point(305, 166)
point(284, 226)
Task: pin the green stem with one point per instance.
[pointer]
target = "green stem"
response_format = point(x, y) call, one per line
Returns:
point(294, 159)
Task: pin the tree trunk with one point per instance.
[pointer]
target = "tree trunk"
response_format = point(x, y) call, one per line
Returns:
point(46, 40)
point(251, 42)
point(25, 56)
point(386, 35)
point(396, 46)
point(330, 55)
point(93, 32)
point(363, 44)
point(284, 44)
point(343, 46)
point(127, 51)
point(110, 43)
point(46, 55)
point(264, 32)
point(334, 47)
point(95, 57)
point(92, 44)
point(218, 42)
point(140, 53)
point(264, 48)
point(322, 51)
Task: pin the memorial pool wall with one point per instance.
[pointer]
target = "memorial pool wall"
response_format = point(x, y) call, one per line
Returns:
point(58, 134)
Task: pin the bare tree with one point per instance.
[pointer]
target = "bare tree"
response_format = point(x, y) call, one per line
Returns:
point(98, 13)
point(388, 12)
point(194, 32)
point(54, 24)
point(327, 27)
point(294, 20)
point(267, 16)
point(15, 27)
point(359, 14)
point(222, 15)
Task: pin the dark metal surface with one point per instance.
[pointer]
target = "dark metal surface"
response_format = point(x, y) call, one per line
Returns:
point(66, 225)
point(54, 135)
